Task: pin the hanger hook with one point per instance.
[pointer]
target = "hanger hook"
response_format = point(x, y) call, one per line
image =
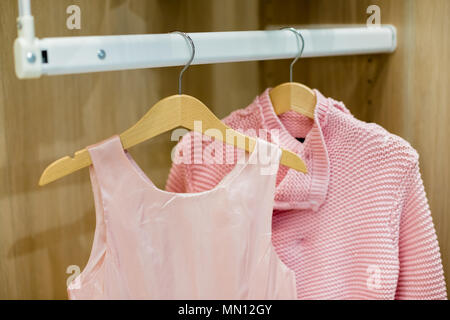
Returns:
point(187, 37)
point(299, 35)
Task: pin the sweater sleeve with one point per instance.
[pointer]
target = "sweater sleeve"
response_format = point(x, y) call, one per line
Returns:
point(421, 274)
point(176, 182)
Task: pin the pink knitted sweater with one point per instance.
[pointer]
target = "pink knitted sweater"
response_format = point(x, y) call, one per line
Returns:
point(358, 225)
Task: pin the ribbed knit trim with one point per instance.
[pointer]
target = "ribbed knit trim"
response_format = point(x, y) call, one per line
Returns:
point(313, 148)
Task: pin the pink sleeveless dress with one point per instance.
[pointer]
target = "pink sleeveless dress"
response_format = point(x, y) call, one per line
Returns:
point(154, 244)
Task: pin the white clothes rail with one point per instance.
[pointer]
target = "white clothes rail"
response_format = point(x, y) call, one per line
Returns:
point(24, 8)
point(69, 55)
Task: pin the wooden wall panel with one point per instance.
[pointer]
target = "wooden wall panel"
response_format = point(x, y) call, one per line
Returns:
point(44, 230)
point(406, 92)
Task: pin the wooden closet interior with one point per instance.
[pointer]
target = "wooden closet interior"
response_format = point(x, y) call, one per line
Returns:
point(45, 232)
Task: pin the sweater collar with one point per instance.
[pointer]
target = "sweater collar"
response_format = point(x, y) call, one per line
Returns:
point(311, 188)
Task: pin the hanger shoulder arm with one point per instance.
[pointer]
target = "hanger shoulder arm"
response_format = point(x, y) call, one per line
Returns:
point(162, 117)
point(214, 128)
point(65, 166)
point(292, 160)
point(293, 96)
point(227, 135)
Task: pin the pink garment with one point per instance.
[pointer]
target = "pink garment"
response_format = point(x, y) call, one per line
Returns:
point(154, 244)
point(358, 225)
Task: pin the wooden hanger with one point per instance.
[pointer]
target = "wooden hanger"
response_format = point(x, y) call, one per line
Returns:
point(167, 114)
point(292, 95)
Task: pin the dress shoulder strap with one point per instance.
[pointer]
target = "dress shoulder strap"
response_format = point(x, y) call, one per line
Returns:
point(107, 161)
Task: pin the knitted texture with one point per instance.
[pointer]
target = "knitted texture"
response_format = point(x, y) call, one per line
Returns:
point(357, 225)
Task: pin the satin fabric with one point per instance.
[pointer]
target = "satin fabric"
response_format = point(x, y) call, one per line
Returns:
point(155, 244)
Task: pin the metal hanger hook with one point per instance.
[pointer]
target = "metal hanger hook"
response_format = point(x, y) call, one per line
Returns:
point(299, 35)
point(188, 38)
